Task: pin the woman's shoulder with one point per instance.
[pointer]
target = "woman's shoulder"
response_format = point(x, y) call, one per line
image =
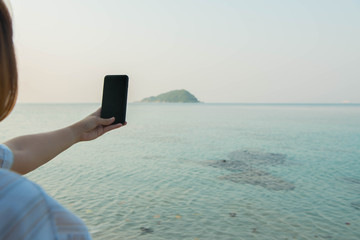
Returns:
point(22, 203)
point(32, 214)
point(6, 157)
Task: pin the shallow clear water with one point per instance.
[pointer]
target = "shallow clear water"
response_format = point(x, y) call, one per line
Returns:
point(295, 174)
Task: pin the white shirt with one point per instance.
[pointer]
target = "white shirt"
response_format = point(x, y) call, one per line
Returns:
point(28, 212)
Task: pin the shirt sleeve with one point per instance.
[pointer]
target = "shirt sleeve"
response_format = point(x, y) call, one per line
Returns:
point(6, 157)
point(28, 212)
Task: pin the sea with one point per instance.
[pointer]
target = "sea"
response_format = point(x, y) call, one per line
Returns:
point(207, 171)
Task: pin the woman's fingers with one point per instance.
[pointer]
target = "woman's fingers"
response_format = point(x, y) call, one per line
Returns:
point(105, 121)
point(112, 127)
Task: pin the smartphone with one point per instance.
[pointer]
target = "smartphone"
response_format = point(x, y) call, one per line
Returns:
point(114, 98)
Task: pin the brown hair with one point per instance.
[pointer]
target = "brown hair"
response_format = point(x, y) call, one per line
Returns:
point(8, 70)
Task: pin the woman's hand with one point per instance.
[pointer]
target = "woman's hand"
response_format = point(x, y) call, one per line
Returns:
point(93, 126)
point(32, 151)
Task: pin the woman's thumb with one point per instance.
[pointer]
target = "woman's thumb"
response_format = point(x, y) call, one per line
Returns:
point(106, 121)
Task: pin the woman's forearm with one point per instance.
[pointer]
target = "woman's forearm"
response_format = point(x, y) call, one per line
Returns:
point(32, 151)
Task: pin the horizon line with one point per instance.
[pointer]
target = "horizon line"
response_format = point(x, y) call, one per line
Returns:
point(263, 103)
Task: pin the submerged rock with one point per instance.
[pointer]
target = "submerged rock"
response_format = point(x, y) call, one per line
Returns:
point(232, 214)
point(257, 158)
point(356, 205)
point(247, 167)
point(243, 160)
point(234, 166)
point(352, 180)
point(145, 230)
point(259, 178)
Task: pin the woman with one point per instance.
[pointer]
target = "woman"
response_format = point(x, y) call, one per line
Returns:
point(26, 211)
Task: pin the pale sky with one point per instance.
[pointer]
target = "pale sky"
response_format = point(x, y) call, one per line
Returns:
point(258, 51)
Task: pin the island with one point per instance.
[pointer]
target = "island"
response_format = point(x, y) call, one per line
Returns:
point(175, 96)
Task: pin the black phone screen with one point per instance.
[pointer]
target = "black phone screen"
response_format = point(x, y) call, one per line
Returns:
point(114, 98)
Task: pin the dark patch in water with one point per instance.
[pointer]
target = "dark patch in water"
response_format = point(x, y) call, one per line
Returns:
point(356, 205)
point(259, 178)
point(352, 180)
point(257, 158)
point(234, 166)
point(145, 230)
point(232, 214)
point(243, 160)
point(248, 165)
point(323, 237)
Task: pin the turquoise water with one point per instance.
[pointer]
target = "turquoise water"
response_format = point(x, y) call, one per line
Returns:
point(207, 171)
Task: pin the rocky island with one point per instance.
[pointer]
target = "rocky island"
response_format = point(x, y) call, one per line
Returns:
point(175, 96)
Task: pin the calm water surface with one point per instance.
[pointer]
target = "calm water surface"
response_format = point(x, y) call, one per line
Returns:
point(207, 171)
